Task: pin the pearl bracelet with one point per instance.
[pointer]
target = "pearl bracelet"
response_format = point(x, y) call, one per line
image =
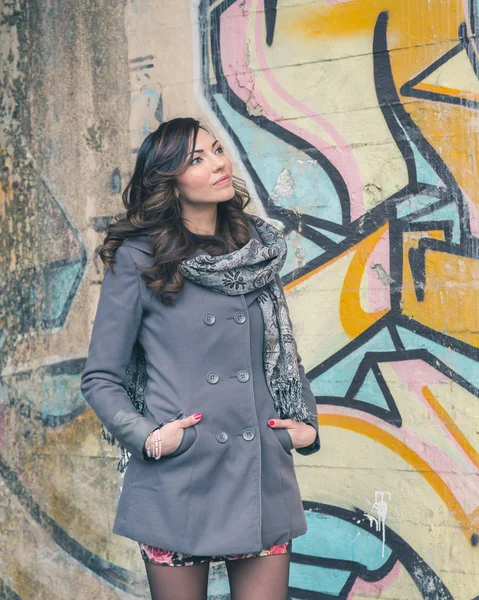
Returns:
point(157, 444)
point(156, 439)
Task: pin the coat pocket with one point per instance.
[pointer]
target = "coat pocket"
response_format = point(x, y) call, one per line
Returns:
point(189, 435)
point(179, 415)
point(284, 438)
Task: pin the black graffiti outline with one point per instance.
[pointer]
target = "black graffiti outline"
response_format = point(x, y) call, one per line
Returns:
point(71, 367)
point(425, 579)
point(417, 258)
point(402, 127)
point(212, 25)
point(397, 228)
point(465, 44)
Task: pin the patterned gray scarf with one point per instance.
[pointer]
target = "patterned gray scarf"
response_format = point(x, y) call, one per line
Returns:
point(253, 266)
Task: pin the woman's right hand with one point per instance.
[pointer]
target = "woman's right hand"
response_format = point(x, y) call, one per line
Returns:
point(171, 435)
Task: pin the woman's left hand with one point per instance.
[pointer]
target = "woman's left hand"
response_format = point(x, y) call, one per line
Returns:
point(302, 434)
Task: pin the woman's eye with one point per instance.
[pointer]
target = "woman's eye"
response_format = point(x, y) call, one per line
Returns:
point(199, 157)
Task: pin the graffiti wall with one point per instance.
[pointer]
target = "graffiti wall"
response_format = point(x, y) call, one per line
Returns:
point(356, 121)
point(354, 125)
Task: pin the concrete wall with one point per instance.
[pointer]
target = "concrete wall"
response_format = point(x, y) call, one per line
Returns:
point(354, 124)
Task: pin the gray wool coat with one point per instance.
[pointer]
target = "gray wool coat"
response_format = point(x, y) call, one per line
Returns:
point(230, 486)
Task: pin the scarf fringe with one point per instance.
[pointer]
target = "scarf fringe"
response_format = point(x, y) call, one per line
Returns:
point(124, 454)
point(289, 403)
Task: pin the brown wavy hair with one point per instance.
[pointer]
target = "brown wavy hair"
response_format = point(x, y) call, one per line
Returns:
point(153, 209)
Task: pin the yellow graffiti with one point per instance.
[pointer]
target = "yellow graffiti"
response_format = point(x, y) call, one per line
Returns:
point(451, 426)
point(408, 455)
point(451, 291)
point(353, 318)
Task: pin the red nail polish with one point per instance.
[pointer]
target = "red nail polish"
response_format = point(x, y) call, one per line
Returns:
point(198, 416)
point(271, 422)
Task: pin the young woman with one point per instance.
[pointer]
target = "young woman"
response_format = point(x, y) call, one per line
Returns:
point(195, 285)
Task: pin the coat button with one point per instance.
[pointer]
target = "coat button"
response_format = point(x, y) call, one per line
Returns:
point(212, 377)
point(242, 375)
point(239, 317)
point(221, 437)
point(209, 319)
point(248, 433)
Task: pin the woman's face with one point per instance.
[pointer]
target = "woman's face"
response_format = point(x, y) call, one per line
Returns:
point(199, 183)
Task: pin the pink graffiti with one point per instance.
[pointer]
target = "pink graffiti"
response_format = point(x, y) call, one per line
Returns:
point(373, 588)
point(473, 216)
point(460, 479)
point(378, 270)
point(241, 79)
point(415, 373)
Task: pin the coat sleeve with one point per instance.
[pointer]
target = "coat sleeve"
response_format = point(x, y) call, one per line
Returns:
point(308, 396)
point(115, 329)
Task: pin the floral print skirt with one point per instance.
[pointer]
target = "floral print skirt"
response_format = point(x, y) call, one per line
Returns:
point(179, 559)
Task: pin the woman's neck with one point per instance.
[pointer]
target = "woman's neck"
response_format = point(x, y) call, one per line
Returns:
point(203, 224)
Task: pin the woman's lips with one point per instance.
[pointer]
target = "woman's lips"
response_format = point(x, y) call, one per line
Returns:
point(225, 179)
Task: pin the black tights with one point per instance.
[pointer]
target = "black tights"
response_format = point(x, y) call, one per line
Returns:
point(254, 578)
